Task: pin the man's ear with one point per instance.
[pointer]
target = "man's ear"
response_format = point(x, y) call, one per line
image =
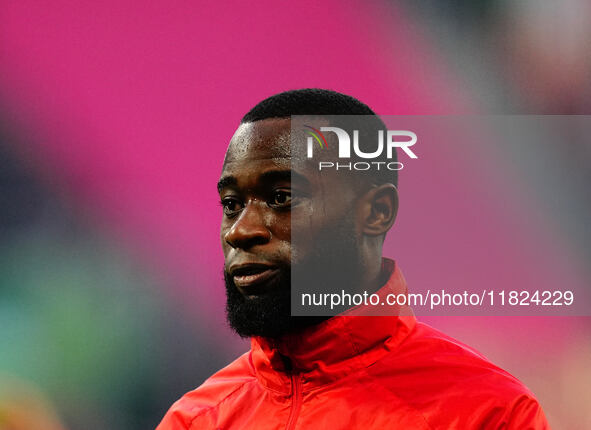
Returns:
point(379, 209)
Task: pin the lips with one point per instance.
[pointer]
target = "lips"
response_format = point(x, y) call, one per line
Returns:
point(253, 277)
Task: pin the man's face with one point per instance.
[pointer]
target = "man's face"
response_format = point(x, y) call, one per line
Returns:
point(264, 200)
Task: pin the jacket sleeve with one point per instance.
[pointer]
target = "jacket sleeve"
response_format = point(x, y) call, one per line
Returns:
point(527, 414)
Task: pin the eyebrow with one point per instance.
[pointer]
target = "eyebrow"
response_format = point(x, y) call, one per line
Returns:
point(226, 181)
point(269, 176)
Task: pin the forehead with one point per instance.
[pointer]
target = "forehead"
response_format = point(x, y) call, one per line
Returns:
point(266, 139)
point(259, 147)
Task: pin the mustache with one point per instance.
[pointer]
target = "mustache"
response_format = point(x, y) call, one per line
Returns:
point(271, 262)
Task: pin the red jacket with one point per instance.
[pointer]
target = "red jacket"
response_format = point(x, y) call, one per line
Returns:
point(360, 372)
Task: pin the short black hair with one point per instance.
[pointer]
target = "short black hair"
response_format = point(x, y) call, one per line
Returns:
point(307, 101)
point(318, 102)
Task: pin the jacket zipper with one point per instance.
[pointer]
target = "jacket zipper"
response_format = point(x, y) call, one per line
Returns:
point(296, 403)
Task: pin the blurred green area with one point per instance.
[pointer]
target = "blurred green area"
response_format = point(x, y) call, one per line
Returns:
point(81, 320)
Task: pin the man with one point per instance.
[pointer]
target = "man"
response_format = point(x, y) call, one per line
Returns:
point(353, 370)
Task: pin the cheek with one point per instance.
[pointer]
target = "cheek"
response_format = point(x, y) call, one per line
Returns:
point(306, 223)
point(280, 225)
point(314, 221)
point(281, 231)
point(317, 215)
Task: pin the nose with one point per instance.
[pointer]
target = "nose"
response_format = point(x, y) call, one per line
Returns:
point(249, 229)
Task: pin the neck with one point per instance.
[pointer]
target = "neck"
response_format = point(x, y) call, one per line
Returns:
point(374, 276)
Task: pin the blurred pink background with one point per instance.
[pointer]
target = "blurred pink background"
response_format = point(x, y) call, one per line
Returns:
point(115, 117)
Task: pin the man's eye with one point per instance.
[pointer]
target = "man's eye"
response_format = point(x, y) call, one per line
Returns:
point(281, 199)
point(231, 206)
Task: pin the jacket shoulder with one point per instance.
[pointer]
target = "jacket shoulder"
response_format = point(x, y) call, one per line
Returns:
point(430, 367)
point(433, 353)
point(217, 388)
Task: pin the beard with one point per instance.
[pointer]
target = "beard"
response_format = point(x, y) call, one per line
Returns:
point(333, 264)
point(266, 315)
